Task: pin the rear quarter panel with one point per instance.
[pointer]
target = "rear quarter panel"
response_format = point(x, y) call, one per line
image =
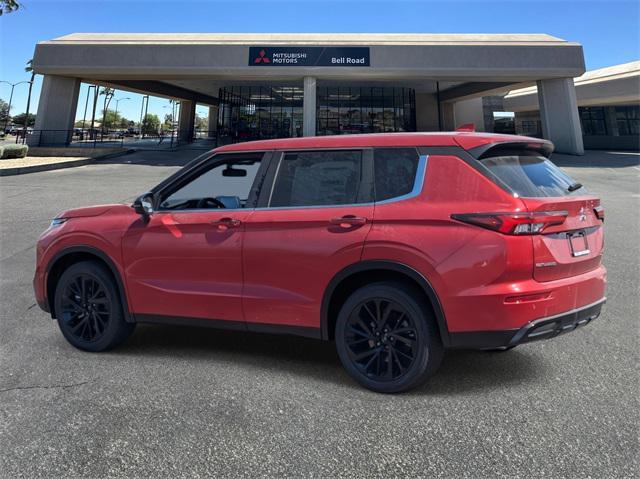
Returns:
point(455, 258)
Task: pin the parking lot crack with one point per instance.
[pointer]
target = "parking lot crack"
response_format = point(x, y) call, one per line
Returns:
point(53, 386)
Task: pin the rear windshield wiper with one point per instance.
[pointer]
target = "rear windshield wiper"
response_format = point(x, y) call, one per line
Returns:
point(574, 187)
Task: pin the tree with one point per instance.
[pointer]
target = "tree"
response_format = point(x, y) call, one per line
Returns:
point(20, 119)
point(150, 124)
point(168, 122)
point(202, 122)
point(124, 123)
point(8, 6)
point(111, 119)
point(29, 69)
point(4, 111)
point(108, 95)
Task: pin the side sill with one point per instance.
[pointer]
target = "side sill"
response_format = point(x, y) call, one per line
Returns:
point(230, 325)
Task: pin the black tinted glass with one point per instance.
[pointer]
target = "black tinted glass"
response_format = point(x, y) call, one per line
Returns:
point(395, 171)
point(531, 176)
point(317, 178)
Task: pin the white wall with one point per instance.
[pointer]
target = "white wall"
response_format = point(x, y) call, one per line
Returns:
point(469, 111)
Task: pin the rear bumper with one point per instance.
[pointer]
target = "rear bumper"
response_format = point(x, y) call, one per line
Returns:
point(543, 328)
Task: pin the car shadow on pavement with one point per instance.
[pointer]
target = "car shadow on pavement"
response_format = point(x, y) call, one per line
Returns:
point(464, 371)
point(461, 371)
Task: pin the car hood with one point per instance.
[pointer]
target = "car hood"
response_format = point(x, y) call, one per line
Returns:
point(91, 211)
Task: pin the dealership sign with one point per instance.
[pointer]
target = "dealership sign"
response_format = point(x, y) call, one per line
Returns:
point(309, 56)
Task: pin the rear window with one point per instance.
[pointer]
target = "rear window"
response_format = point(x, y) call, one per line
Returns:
point(532, 176)
point(395, 171)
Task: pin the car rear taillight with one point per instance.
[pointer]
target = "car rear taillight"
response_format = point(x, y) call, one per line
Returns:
point(599, 211)
point(514, 223)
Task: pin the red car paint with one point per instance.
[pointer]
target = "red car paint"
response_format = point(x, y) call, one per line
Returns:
point(273, 266)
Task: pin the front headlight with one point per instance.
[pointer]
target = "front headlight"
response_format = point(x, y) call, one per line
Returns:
point(57, 222)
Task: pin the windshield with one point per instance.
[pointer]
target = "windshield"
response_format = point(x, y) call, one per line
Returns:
point(532, 176)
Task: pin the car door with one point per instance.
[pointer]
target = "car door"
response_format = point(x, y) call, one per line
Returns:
point(186, 260)
point(314, 214)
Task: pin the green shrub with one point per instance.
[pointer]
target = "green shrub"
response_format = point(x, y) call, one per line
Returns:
point(14, 151)
point(1, 151)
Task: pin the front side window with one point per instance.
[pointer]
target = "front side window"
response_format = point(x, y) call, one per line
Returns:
point(395, 171)
point(225, 185)
point(532, 176)
point(318, 178)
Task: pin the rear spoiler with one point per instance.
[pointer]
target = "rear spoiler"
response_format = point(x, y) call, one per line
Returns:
point(544, 148)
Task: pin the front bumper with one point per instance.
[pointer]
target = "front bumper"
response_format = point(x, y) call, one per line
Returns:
point(543, 328)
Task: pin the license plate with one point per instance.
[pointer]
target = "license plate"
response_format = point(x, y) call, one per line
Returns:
point(578, 243)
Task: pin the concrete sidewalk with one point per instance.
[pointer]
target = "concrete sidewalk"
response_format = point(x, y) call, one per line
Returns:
point(597, 158)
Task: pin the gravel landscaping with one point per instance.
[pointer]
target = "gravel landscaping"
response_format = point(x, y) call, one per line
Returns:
point(37, 161)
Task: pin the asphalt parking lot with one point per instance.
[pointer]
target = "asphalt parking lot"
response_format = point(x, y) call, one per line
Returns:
point(178, 402)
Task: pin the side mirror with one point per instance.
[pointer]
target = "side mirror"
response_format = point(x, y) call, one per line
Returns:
point(143, 205)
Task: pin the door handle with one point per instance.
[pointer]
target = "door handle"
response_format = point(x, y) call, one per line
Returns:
point(348, 221)
point(224, 224)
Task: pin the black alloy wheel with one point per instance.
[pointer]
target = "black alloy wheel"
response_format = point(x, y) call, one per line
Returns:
point(387, 337)
point(381, 339)
point(88, 308)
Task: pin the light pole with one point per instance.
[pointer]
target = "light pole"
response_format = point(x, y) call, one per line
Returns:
point(118, 100)
point(145, 100)
point(86, 104)
point(13, 85)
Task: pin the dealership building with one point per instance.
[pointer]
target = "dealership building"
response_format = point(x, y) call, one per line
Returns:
point(283, 85)
point(608, 106)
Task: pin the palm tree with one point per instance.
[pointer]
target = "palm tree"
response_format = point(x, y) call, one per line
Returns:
point(29, 69)
point(8, 6)
point(108, 95)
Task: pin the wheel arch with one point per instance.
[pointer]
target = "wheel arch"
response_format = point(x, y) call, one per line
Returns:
point(350, 278)
point(74, 254)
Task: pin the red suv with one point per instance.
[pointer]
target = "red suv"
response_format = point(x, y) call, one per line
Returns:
point(396, 246)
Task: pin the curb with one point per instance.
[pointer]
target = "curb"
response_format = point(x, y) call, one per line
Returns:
point(21, 170)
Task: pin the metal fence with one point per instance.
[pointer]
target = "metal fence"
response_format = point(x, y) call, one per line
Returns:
point(78, 138)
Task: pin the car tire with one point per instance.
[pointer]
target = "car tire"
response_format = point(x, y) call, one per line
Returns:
point(387, 337)
point(88, 308)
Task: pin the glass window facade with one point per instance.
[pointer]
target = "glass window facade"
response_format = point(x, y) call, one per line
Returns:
point(628, 120)
point(593, 121)
point(257, 113)
point(347, 110)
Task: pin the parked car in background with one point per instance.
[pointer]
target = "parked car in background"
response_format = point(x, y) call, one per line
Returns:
point(395, 246)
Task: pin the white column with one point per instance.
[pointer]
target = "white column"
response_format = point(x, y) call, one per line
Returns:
point(448, 116)
point(186, 120)
point(309, 107)
point(559, 115)
point(213, 121)
point(56, 111)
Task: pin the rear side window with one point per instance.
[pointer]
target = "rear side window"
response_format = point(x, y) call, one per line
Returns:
point(318, 178)
point(395, 171)
point(532, 176)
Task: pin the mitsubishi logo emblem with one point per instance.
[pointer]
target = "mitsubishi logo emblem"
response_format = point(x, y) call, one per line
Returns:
point(583, 214)
point(262, 58)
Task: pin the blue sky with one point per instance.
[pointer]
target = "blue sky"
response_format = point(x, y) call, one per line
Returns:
point(608, 30)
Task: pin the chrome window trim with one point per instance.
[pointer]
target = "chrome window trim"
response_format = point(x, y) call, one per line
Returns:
point(418, 186)
point(275, 178)
point(418, 183)
point(201, 210)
